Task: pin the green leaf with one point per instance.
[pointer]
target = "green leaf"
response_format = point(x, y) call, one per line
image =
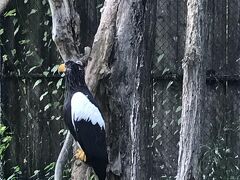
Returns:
point(1, 31)
point(10, 13)
point(33, 11)
point(50, 166)
point(5, 57)
point(179, 108)
point(42, 96)
point(55, 92)
point(32, 68)
point(54, 69)
point(61, 131)
point(59, 83)
point(169, 84)
point(45, 73)
point(56, 104)
point(2, 128)
point(44, 2)
point(51, 82)
point(24, 41)
point(47, 106)
point(37, 83)
point(7, 139)
point(154, 125)
point(57, 118)
point(165, 70)
point(16, 30)
point(158, 137)
point(13, 51)
point(179, 121)
point(160, 58)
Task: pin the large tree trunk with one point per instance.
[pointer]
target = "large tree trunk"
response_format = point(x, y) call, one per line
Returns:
point(194, 85)
point(129, 90)
point(122, 44)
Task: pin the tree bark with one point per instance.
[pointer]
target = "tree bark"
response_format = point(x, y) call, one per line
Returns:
point(123, 43)
point(66, 35)
point(3, 4)
point(98, 65)
point(194, 85)
point(64, 30)
point(128, 90)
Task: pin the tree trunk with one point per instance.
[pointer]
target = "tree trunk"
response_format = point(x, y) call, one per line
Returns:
point(194, 86)
point(123, 43)
point(129, 91)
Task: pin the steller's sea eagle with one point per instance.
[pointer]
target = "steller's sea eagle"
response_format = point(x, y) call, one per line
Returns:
point(83, 118)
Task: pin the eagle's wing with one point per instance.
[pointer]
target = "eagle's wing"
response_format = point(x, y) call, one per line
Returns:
point(89, 126)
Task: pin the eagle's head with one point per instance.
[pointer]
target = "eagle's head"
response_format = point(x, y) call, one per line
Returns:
point(75, 74)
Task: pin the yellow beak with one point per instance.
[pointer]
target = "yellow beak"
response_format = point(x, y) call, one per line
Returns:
point(61, 68)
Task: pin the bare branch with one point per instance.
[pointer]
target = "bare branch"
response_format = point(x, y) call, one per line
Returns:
point(65, 34)
point(102, 46)
point(3, 4)
point(62, 158)
point(66, 28)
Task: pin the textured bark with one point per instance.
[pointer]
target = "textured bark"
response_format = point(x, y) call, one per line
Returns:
point(62, 158)
point(66, 35)
point(129, 91)
point(64, 31)
point(3, 4)
point(193, 93)
point(129, 27)
point(97, 67)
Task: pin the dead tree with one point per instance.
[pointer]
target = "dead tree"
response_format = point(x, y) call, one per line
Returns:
point(121, 52)
point(194, 84)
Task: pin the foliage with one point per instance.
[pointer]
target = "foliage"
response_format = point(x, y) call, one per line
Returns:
point(29, 55)
point(16, 173)
point(220, 161)
point(5, 139)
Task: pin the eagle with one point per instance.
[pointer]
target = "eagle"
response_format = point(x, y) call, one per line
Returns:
point(84, 119)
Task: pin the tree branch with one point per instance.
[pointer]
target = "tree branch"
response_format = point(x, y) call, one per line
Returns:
point(65, 33)
point(66, 28)
point(97, 67)
point(3, 4)
point(102, 46)
point(62, 158)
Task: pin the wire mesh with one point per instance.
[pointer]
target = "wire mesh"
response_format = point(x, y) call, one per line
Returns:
point(221, 113)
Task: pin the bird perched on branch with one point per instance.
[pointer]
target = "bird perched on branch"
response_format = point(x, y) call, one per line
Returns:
point(83, 118)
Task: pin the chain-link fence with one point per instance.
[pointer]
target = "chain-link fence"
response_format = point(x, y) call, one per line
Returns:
point(222, 112)
point(31, 89)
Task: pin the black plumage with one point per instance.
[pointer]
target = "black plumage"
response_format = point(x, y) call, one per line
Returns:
point(84, 120)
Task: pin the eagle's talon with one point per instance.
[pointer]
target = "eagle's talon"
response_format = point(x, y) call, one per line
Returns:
point(80, 155)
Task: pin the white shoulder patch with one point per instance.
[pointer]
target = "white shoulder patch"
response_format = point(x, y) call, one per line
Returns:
point(82, 108)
